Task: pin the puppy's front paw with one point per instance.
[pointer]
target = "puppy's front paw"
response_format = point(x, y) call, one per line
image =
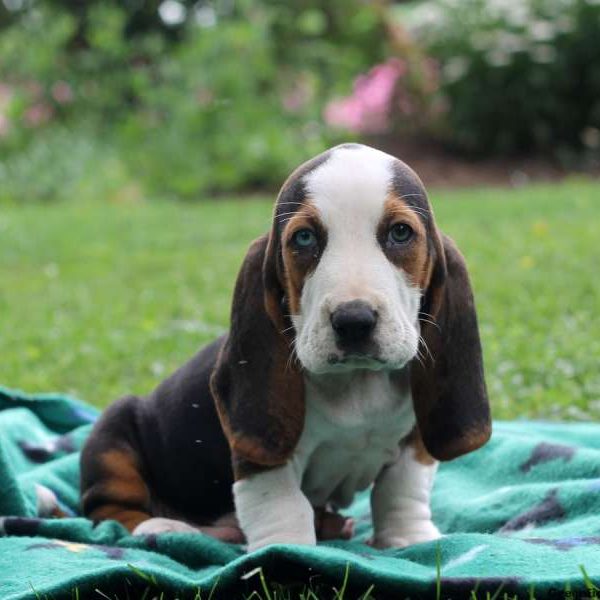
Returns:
point(302, 539)
point(413, 532)
point(158, 525)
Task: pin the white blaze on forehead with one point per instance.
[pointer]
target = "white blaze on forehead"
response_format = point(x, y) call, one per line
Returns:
point(351, 185)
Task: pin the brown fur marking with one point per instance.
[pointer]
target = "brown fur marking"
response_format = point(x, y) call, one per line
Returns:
point(129, 518)
point(413, 258)
point(298, 265)
point(123, 492)
point(416, 442)
point(257, 387)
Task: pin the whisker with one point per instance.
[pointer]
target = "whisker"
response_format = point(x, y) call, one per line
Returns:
point(422, 341)
point(426, 314)
point(294, 212)
point(287, 329)
point(412, 195)
point(420, 358)
point(431, 323)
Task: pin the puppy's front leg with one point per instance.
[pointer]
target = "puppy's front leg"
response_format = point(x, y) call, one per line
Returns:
point(271, 509)
point(400, 500)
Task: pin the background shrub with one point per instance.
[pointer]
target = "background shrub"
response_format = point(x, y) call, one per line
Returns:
point(516, 75)
point(187, 99)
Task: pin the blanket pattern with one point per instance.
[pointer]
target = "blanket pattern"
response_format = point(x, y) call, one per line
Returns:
point(521, 514)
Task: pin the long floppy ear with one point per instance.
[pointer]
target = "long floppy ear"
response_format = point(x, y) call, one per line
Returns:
point(257, 386)
point(448, 385)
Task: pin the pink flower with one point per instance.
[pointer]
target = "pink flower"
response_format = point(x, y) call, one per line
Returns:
point(38, 114)
point(62, 92)
point(367, 109)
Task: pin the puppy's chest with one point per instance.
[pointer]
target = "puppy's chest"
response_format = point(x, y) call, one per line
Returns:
point(352, 430)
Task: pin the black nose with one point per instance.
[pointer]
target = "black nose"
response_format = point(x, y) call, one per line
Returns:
point(353, 322)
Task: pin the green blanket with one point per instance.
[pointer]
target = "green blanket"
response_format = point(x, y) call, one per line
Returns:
point(523, 511)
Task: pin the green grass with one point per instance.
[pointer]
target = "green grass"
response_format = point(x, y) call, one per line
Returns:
point(104, 299)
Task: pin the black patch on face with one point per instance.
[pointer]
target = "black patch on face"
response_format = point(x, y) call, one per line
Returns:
point(549, 509)
point(290, 201)
point(293, 192)
point(406, 185)
point(545, 452)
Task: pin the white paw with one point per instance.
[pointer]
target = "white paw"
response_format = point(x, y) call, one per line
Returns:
point(303, 539)
point(414, 532)
point(160, 525)
point(47, 503)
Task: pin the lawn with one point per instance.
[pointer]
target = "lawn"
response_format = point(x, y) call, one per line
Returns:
point(100, 300)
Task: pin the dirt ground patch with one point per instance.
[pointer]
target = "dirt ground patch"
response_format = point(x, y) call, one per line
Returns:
point(440, 167)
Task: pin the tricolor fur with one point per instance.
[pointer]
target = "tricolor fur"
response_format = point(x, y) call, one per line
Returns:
point(353, 359)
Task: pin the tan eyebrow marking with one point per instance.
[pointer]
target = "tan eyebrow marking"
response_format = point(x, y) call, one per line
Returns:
point(414, 259)
point(297, 268)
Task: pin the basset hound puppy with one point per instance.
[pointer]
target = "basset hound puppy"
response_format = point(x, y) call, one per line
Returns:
point(353, 359)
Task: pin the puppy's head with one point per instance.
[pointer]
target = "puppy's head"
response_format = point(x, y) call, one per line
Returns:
point(356, 244)
point(353, 275)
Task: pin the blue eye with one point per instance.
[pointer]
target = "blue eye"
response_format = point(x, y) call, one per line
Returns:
point(305, 238)
point(400, 233)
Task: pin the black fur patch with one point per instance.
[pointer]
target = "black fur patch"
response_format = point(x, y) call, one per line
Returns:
point(293, 192)
point(407, 185)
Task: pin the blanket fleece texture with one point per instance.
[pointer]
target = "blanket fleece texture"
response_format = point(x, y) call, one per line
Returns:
point(521, 515)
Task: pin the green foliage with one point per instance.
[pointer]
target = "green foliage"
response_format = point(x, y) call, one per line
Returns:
point(65, 163)
point(516, 75)
point(216, 117)
point(335, 40)
point(225, 104)
point(106, 299)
